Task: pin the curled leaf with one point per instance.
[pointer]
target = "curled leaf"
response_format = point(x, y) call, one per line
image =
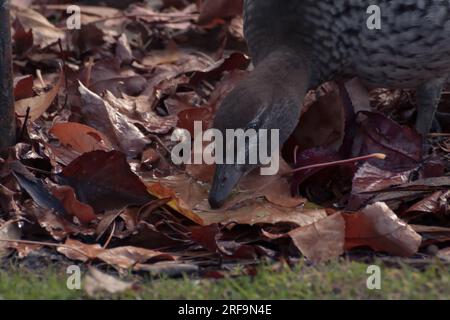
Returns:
point(322, 240)
point(379, 228)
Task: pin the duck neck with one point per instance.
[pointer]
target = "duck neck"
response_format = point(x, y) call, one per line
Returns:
point(286, 71)
point(282, 80)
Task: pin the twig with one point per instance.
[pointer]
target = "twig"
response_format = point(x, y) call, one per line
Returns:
point(379, 156)
point(110, 236)
point(24, 126)
point(89, 67)
point(38, 170)
point(159, 141)
point(295, 153)
point(123, 16)
point(439, 135)
point(66, 83)
point(181, 17)
point(41, 80)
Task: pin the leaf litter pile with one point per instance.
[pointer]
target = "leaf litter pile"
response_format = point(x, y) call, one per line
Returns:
point(91, 176)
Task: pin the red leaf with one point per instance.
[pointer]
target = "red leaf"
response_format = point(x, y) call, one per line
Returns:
point(105, 181)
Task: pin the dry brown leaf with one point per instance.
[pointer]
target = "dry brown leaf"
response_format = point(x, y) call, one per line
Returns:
point(279, 193)
point(433, 204)
point(73, 206)
point(322, 240)
point(168, 268)
point(97, 281)
point(127, 257)
point(76, 250)
point(23, 87)
point(262, 212)
point(106, 221)
point(88, 11)
point(444, 254)
point(120, 257)
point(102, 116)
point(379, 228)
point(55, 224)
point(80, 137)
point(172, 187)
point(369, 178)
point(39, 104)
point(60, 154)
point(190, 199)
point(215, 9)
point(123, 50)
point(8, 231)
point(105, 181)
point(276, 189)
point(44, 33)
point(133, 110)
point(432, 234)
point(322, 120)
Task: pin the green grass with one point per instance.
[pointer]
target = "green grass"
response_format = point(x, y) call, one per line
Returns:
point(336, 280)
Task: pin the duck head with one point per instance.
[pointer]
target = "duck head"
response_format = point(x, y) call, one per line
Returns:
point(269, 99)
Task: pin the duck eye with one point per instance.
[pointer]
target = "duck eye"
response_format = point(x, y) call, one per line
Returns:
point(251, 126)
point(255, 124)
point(258, 121)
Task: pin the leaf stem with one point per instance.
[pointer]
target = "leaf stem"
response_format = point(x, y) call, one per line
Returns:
point(379, 156)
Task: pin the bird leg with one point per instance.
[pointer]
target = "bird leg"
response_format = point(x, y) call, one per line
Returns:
point(442, 121)
point(428, 96)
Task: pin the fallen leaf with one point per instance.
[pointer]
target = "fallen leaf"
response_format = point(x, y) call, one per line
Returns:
point(105, 181)
point(190, 199)
point(39, 104)
point(379, 228)
point(120, 257)
point(102, 116)
point(279, 193)
point(76, 250)
point(132, 108)
point(215, 71)
point(88, 38)
point(432, 234)
point(322, 120)
point(123, 50)
point(322, 240)
point(23, 87)
point(275, 189)
point(36, 189)
point(213, 9)
point(8, 231)
point(80, 137)
point(436, 204)
point(168, 268)
point(56, 226)
point(182, 205)
point(44, 32)
point(369, 179)
point(67, 196)
point(378, 134)
point(97, 281)
point(444, 254)
point(106, 221)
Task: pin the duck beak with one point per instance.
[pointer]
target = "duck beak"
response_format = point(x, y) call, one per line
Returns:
point(225, 179)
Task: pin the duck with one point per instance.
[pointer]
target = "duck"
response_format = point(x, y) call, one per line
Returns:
point(297, 45)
